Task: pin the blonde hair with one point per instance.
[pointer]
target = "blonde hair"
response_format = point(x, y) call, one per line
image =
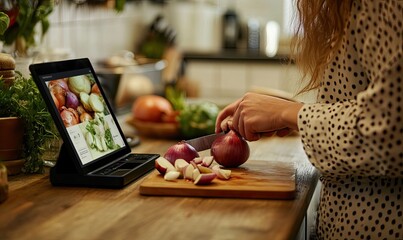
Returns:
point(319, 31)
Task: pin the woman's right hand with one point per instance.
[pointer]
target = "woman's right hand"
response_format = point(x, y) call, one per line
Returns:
point(256, 114)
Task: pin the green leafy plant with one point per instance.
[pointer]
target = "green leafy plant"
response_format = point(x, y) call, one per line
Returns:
point(23, 100)
point(195, 119)
point(119, 5)
point(28, 13)
point(4, 22)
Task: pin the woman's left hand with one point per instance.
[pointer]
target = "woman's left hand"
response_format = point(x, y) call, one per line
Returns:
point(255, 115)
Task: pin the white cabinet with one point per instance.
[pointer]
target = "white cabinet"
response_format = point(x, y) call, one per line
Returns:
point(231, 79)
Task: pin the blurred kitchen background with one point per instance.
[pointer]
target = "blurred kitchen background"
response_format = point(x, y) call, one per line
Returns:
point(218, 49)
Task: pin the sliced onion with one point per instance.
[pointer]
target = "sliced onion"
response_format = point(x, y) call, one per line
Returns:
point(181, 150)
point(171, 175)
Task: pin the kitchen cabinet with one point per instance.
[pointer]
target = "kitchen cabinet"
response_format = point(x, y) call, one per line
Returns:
point(231, 78)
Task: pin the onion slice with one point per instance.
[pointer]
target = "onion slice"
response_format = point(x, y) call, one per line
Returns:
point(163, 165)
point(223, 174)
point(205, 178)
point(171, 175)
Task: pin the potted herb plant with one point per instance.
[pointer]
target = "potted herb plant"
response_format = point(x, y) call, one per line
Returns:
point(24, 119)
point(23, 100)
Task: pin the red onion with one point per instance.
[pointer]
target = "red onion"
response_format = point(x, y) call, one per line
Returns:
point(71, 100)
point(181, 150)
point(230, 150)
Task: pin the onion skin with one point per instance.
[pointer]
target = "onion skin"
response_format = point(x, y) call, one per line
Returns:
point(55, 101)
point(59, 93)
point(61, 82)
point(181, 150)
point(230, 150)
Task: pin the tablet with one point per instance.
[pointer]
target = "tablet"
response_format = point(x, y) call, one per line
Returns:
point(94, 146)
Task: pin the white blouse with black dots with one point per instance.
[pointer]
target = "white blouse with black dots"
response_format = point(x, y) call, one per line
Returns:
point(353, 135)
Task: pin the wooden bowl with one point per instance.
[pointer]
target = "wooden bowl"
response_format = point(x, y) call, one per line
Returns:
point(155, 130)
point(10, 154)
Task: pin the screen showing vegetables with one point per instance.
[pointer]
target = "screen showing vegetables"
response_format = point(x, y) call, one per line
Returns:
point(85, 115)
point(77, 98)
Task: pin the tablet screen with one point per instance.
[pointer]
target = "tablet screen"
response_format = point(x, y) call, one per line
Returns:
point(85, 115)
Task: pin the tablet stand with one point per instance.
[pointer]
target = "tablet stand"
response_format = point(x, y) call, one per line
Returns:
point(64, 162)
point(65, 173)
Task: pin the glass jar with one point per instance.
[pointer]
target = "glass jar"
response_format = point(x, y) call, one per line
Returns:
point(3, 183)
point(51, 154)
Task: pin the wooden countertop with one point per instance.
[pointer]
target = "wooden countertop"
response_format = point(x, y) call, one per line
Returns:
point(36, 210)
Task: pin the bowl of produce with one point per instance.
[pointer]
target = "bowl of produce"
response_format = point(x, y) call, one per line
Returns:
point(172, 117)
point(154, 116)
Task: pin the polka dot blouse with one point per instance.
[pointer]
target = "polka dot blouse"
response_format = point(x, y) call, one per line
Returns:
point(353, 135)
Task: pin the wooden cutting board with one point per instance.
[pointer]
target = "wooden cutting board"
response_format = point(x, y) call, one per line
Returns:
point(254, 179)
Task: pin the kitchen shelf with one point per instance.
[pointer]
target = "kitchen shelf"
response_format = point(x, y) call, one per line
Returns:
point(235, 55)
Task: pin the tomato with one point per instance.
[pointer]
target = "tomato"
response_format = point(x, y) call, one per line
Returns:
point(152, 108)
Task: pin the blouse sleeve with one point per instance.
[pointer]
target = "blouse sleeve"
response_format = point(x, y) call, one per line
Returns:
point(363, 136)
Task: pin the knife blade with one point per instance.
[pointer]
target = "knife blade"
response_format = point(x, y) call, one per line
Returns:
point(204, 142)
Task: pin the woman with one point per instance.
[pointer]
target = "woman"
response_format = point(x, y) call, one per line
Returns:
point(352, 51)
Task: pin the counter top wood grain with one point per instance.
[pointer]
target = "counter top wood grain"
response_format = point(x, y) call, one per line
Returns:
point(37, 210)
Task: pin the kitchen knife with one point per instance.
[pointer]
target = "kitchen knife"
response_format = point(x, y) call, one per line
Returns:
point(203, 143)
